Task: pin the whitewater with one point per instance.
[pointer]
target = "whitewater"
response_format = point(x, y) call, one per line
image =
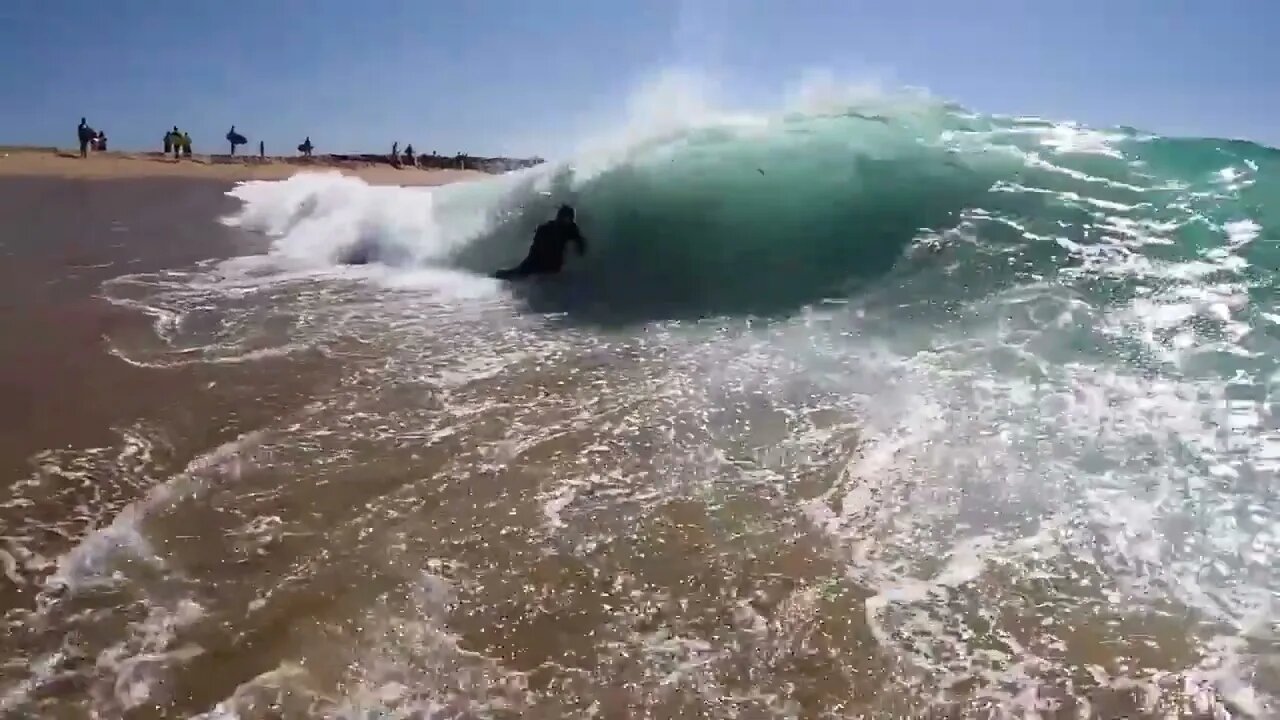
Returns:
point(870, 406)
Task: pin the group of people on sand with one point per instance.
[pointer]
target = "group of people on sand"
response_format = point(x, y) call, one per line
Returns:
point(177, 142)
point(235, 139)
point(90, 139)
point(412, 159)
point(409, 158)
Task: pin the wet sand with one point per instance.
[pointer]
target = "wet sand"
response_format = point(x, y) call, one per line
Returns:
point(61, 239)
point(63, 387)
point(85, 433)
point(112, 165)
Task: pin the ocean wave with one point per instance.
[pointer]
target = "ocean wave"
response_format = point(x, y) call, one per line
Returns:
point(696, 212)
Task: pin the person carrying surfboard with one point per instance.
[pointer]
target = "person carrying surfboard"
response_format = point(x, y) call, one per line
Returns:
point(235, 139)
point(546, 255)
point(85, 135)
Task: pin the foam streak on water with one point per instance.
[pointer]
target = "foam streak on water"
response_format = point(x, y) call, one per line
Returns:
point(876, 406)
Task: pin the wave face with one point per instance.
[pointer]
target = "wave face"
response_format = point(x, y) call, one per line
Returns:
point(765, 214)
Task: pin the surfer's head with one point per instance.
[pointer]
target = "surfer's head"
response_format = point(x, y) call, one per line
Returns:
point(565, 214)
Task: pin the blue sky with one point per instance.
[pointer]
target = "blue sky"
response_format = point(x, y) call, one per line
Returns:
point(519, 77)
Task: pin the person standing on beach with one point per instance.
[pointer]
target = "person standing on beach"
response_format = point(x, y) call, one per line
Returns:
point(168, 141)
point(186, 144)
point(409, 157)
point(85, 134)
point(175, 138)
point(262, 149)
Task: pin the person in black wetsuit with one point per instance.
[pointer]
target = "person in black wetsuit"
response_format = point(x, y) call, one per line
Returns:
point(84, 134)
point(546, 255)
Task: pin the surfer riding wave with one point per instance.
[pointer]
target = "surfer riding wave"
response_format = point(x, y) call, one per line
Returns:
point(546, 255)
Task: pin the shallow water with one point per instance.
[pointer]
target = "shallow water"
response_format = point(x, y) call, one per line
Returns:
point(980, 427)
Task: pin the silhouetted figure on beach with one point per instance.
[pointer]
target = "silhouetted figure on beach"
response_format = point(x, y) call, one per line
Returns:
point(546, 255)
point(306, 147)
point(101, 142)
point(409, 157)
point(175, 141)
point(186, 145)
point(84, 134)
point(235, 139)
point(168, 141)
point(262, 149)
point(395, 153)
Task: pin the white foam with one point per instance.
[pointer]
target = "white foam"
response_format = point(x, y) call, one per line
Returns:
point(446, 285)
point(954, 429)
point(89, 562)
point(1073, 139)
point(202, 356)
point(1241, 233)
point(316, 218)
point(143, 660)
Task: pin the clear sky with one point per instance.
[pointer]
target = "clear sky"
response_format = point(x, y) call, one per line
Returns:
point(517, 76)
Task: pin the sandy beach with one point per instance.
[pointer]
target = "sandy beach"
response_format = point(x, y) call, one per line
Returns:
point(48, 162)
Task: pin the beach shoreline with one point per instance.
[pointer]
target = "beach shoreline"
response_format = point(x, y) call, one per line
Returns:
point(49, 162)
point(59, 383)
